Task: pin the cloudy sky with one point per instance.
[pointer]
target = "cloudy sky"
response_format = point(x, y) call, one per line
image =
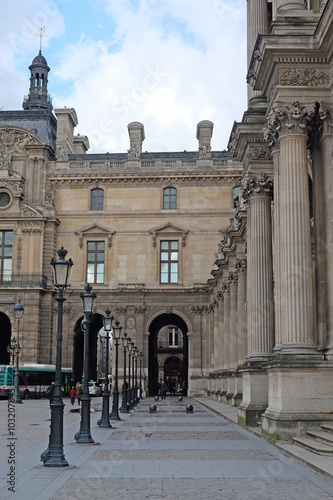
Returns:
point(165, 63)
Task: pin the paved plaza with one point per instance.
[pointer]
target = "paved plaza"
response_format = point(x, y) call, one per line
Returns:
point(168, 455)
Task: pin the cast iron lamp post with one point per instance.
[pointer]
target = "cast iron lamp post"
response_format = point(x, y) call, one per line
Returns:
point(104, 420)
point(129, 347)
point(136, 353)
point(115, 401)
point(133, 386)
point(54, 455)
point(18, 315)
point(140, 359)
point(124, 408)
point(84, 434)
point(11, 349)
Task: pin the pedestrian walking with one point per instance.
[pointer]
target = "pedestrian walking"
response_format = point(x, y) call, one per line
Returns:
point(78, 392)
point(72, 395)
point(163, 389)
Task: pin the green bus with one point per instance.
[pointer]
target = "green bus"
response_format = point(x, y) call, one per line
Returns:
point(34, 380)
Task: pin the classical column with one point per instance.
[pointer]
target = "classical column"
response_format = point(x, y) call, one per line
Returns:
point(257, 22)
point(216, 352)
point(226, 326)
point(276, 249)
point(241, 309)
point(288, 124)
point(233, 281)
point(260, 280)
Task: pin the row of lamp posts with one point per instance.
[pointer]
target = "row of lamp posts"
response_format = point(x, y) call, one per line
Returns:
point(54, 456)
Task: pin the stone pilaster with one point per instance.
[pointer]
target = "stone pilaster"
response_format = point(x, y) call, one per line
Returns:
point(260, 277)
point(233, 281)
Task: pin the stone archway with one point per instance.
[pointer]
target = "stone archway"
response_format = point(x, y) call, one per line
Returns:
point(78, 351)
point(5, 338)
point(160, 350)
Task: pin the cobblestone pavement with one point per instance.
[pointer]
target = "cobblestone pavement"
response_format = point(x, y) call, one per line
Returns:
point(169, 455)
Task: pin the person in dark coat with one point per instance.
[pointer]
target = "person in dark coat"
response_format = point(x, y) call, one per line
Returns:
point(50, 392)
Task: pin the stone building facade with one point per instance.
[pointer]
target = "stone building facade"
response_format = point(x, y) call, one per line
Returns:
point(142, 228)
point(217, 264)
point(273, 356)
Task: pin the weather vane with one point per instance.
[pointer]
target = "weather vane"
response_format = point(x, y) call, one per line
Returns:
point(41, 33)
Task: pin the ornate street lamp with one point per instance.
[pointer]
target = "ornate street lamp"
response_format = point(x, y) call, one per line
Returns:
point(11, 349)
point(115, 401)
point(18, 315)
point(140, 359)
point(104, 420)
point(54, 455)
point(84, 434)
point(124, 408)
point(129, 347)
point(136, 353)
point(133, 386)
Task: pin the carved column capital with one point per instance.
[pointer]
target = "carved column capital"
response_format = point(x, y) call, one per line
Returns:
point(241, 265)
point(260, 185)
point(287, 119)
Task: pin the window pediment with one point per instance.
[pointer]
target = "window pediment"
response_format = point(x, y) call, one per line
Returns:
point(168, 229)
point(95, 230)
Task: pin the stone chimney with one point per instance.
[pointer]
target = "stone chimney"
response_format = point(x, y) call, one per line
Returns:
point(81, 144)
point(136, 134)
point(66, 121)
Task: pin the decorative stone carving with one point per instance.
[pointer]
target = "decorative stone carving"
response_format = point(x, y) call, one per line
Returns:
point(259, 154)
point(15, 141)
point(287, 119)
point(304, 77)
point(19, 253)
point(232, 278)
point(49, 193)
point(133, 153)
point(205, 150)
point(6, 159)
point(258, 186)
point(27, 211)
point(62, 153)
point(139, 310)
point(241, 265)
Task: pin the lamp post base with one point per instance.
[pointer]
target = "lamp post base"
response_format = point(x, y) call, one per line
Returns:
point(84, 434)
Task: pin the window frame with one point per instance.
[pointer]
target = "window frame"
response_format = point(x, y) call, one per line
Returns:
point(169, 261)
point(3, 257)
point(170, 198)
point(97, 199)
point(95, 262)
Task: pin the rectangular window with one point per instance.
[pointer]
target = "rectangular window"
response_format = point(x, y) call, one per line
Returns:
point(169, 261)
point(169, 198)
point(6, 253)
point(97, 197)
point(173, 336)
point(95, 262)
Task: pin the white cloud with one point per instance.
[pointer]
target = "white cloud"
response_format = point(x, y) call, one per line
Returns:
point(166, 63)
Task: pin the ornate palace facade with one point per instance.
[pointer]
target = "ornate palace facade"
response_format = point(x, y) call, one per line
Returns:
point(218, 264)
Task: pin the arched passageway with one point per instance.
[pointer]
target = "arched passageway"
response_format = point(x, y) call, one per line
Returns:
point(167, 340)
point(5, 338)
point(94, 328)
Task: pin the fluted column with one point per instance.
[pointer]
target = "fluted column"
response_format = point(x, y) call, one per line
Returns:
point(220, 339)
point(241, 309)
point(216, 336)
point(288, 125)
point(226, 326)
point(260, 290)
point(276, 250)
point(257, 22)
point(233, 281)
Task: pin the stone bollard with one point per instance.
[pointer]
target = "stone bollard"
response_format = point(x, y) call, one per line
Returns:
point(152, 409)
point(157, 398)
point(180, 398)
point(189, 409)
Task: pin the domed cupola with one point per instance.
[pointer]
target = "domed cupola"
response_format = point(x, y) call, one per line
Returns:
point(38, 97)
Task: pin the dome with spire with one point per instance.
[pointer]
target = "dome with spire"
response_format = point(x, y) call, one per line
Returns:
point(38, 97)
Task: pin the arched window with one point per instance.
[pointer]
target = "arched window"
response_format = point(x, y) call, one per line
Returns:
point(97, 198)
point(169, 198)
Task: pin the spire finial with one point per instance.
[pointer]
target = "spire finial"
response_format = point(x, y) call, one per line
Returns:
point(41, 33)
